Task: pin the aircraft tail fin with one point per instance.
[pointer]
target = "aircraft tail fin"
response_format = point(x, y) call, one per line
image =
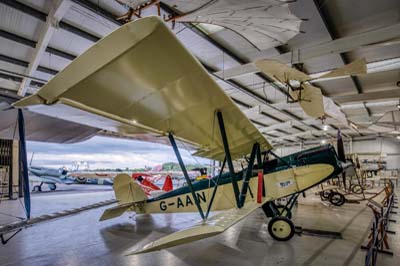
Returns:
point(127, 190)
point(128, 193)
point(168, 186)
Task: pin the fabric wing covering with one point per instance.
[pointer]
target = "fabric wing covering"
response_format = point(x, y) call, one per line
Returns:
point(141, 81)
point(264, 23)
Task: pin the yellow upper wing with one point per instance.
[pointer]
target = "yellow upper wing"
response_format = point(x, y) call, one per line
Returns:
point(141, 81)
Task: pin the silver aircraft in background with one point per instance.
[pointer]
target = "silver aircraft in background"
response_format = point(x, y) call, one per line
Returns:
point(52, 176)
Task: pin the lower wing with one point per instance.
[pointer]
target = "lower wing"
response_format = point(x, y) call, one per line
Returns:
point(213, 226)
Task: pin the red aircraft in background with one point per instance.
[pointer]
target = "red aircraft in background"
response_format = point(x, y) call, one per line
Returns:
point(149, 187)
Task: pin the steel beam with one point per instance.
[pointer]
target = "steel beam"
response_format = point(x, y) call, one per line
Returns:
point(98, 10)
point(389, 93)
point(22, 40)
point(23, 63)
point(42, 16)
point(57, 12)
point(16, 78)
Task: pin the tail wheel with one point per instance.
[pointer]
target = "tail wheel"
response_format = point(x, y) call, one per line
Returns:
point(336, 198)
point(281, 228)
point(284, 211)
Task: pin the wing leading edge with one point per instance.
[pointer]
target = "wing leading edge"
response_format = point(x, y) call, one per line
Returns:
point(215, 225)
point(140, 80)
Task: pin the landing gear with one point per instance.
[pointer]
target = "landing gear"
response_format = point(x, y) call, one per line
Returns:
point(334, 197)
point(337, 198)
point(38, 187)
point(281, 228)
point(357, 189)
point(52, 187)
point(284, 211)
point(324, 195)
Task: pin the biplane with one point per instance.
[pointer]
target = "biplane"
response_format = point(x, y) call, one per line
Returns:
point(300, 88)
point(141, 82)
point(149, 187)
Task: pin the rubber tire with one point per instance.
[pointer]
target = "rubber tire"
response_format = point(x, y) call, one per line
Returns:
point(337, 198)
point(281, 223)
point(286, 213)
point(356, 189)
point(324, 195)
point(81, 180)
point(52, 187)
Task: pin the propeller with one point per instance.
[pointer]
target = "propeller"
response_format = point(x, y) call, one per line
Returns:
point(310, 99)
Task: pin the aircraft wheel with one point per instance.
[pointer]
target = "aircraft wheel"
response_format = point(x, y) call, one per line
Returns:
point(81, 180)
point(336, 198)
point(357, 189)
point(52, 187)
point(284, 211)
point(324, 195)
point(281, 228)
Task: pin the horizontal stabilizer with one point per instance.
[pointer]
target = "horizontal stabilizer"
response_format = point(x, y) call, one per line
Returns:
point(116, 211)
point(213, 226)
point(128, 194)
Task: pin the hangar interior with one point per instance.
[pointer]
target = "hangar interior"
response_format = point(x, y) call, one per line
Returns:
point(48, 43)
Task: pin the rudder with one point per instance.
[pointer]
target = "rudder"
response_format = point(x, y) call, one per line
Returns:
point(127, 190)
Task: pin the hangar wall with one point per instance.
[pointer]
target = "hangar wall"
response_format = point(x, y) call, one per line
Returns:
point(386, 146)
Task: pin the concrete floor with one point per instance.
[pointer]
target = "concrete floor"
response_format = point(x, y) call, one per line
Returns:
point(82, 240)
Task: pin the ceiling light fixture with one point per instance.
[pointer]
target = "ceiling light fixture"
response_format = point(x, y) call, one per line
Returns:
point(325, 127)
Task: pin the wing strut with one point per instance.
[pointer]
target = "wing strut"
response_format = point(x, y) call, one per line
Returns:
point(249, 171)
point(182, 165)
point(228, 157)
point(24, 164)
point(260, 167)
point(215, 188)
point(279, 158)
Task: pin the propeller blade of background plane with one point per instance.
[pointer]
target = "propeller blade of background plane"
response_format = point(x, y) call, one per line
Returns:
point(311, 100)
